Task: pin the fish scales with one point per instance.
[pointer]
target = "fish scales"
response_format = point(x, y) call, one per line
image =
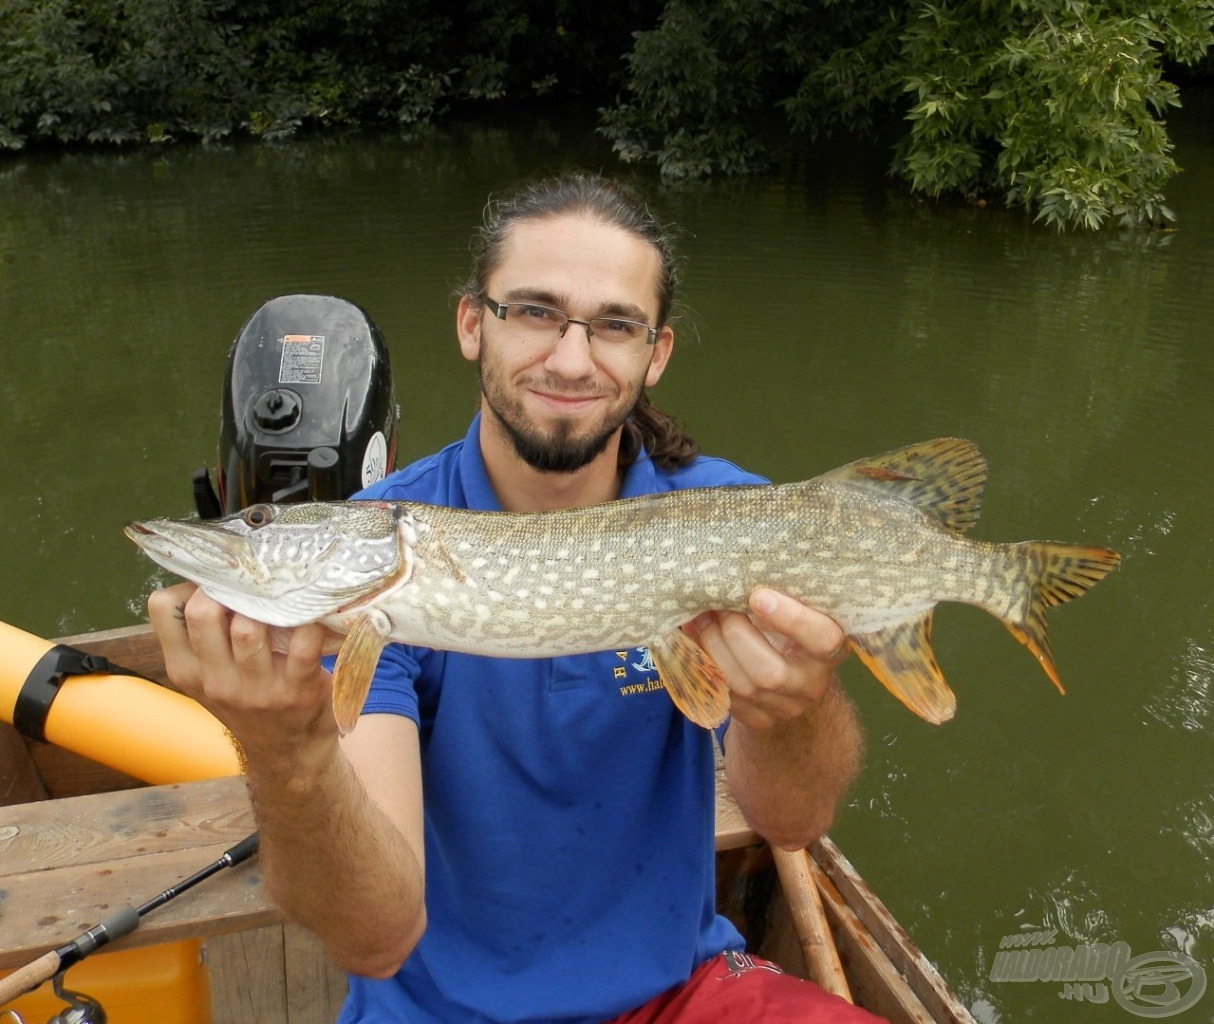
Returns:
point(876, 544)
point(625, 573)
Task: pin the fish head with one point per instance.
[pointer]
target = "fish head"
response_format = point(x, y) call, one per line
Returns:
point(284, 565)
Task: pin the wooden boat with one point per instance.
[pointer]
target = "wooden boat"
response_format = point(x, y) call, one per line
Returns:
point(78, 838)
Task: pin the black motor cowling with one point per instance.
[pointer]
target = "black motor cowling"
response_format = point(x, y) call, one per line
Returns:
point(309, 412)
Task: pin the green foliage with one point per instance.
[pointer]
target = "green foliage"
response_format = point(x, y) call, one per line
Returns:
point(701, 79)
point(1055, 105)
point(74, 71)
point(695, 79)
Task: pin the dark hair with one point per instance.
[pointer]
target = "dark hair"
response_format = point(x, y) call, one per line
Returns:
point(594, 196)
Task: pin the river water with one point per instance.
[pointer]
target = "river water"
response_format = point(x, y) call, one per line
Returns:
point(827, 316)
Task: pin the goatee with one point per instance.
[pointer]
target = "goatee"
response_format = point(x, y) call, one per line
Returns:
point(559, 451)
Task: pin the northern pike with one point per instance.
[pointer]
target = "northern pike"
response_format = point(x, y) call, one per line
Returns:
point(875, 544)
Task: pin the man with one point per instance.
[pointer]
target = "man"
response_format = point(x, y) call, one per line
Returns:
point(505, 840)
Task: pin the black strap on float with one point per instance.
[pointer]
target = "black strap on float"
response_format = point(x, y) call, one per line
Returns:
point(41, 686)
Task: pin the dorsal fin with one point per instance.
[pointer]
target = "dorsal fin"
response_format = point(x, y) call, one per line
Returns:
point(944, 477)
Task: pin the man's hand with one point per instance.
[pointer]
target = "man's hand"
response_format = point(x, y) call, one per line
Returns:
point(793, 744)
point(268, 699)
point(340, 821)
point(779, 661)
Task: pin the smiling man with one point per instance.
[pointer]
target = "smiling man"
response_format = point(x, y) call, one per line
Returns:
point(555, 391)
point(519, 840)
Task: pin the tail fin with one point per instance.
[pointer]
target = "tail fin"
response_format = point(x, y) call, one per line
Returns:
point(1056, 573)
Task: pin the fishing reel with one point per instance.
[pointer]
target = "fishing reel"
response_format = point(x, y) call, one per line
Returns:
point(309, 411)
point(80, 1009)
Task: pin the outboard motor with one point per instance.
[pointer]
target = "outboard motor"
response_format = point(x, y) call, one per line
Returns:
point(309, 411)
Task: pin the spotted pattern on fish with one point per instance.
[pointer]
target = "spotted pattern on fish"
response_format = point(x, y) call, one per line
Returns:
point(876, 544)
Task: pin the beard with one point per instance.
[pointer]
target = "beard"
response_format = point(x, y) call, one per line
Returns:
point(562, 448)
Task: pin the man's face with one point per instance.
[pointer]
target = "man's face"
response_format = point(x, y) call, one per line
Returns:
point(560, 404)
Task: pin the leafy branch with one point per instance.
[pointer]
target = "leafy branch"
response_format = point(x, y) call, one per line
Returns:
point(1055, 105)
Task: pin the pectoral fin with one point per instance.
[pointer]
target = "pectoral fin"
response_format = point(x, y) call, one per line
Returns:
point(901, 656)
point(355, 667)
point(692, 679)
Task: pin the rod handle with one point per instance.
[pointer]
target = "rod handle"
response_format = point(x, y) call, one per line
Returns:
point(243, 850)
point(121, 922)
point(29, 977)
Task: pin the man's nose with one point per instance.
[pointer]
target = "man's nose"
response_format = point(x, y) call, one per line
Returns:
point(571, 356)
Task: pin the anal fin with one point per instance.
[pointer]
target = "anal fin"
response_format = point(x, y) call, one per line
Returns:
point(901, 657)
point(355, 668)
point(692, 678)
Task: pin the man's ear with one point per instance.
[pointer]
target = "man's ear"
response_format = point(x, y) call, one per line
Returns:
point(468, 327)
point(660, 356)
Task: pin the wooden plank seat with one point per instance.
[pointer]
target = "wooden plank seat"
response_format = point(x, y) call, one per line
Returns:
point(67, 864)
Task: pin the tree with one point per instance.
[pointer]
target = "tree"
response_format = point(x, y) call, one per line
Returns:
point(132, 71)
point(1055, 105)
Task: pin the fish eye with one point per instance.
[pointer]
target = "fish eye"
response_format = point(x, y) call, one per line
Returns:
point(258, 515)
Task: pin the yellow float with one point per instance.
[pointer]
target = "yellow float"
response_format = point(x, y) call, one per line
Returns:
point(123, 721)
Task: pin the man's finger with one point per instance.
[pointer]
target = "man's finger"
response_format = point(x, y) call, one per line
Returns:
point(306, 646)
point(208, 625)
point(166, 612)
point(821, 637)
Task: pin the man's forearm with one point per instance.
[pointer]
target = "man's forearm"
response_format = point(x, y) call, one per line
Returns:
point(338, 865)
point(790, 778)
point(342, 848)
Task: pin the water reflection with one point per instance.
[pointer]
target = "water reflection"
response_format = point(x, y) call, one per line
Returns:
point(1187, 699)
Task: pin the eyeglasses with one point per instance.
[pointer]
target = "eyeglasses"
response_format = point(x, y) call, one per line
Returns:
point(545, 323)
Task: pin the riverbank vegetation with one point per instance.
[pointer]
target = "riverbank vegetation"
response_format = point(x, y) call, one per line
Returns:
point(1057, 106)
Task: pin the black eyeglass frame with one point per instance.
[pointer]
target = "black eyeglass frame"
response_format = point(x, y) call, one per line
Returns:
point(499, 309)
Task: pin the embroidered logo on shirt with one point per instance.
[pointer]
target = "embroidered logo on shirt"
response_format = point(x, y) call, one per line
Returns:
point(627, 672)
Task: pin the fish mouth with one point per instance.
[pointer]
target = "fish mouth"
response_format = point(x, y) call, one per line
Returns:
point(177, 546)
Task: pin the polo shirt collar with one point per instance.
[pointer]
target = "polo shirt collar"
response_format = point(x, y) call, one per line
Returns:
point(473, 477)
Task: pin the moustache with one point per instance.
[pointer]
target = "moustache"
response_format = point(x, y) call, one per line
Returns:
point(563, 388)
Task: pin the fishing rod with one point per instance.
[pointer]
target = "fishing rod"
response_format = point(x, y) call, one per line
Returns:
point(121, 922)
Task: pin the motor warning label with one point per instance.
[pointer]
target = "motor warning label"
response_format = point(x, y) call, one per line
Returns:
point(303, 357)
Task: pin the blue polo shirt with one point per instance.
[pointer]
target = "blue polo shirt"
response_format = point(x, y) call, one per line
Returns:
point(568, 812)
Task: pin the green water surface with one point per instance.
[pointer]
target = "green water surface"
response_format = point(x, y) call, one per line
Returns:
point(827, 316)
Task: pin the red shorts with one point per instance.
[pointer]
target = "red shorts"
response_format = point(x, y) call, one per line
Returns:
point(742, 988)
